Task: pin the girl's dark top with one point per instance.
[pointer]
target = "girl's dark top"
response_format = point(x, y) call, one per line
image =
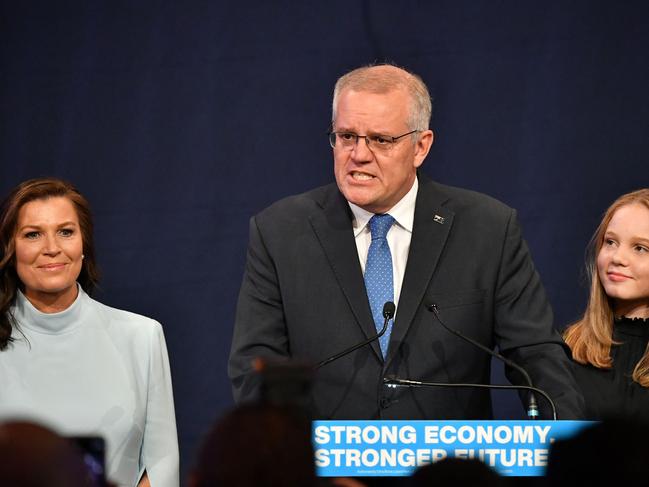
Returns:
point(612, 392)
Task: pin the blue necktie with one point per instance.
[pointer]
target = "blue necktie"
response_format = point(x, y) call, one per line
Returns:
point(378, 274)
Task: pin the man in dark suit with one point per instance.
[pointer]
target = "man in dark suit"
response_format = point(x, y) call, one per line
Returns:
point(321, 264)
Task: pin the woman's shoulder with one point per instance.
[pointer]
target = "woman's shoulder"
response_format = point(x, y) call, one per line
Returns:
point(123, 320)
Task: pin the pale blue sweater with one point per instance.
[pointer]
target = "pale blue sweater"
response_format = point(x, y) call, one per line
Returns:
point(95, 370)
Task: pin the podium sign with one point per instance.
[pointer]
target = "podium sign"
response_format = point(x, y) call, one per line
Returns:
point(397, 448)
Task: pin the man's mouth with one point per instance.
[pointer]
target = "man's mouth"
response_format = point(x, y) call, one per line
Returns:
point(361, 176)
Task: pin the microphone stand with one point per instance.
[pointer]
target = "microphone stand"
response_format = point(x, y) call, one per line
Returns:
point(395, 382)
point(532, 409)
point(388, 313)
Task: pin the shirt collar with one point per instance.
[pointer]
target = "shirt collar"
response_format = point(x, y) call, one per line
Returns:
point(403, 212)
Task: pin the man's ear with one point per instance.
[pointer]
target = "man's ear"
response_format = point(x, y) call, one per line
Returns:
point(424, 143)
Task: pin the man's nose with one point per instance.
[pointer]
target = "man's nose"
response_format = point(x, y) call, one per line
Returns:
point(361, 151)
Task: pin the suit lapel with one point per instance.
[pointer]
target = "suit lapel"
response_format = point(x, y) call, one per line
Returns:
point(432, 224)
point(333, 228)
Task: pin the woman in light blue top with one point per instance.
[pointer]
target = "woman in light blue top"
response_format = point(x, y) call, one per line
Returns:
point(68, 361)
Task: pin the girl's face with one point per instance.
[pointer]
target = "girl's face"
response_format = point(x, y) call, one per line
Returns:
point(623, 261)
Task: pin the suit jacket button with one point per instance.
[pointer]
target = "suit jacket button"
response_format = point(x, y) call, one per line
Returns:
point(385, 403)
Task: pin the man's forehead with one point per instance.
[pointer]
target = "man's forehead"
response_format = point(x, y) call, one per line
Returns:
point(356, 105)
point(393, 102)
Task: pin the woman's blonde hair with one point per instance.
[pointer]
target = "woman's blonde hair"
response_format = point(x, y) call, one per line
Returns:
point(591, 337)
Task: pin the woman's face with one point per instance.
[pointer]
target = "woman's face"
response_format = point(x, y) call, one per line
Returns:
point(49, 252)
point(623, 261)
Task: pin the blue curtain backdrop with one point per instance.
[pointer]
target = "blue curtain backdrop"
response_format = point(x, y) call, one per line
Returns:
point(180, 120)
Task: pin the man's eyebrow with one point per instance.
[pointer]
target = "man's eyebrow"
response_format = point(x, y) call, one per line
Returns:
point(385, 133)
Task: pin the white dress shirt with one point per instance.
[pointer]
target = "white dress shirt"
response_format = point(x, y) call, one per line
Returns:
point(398, 236)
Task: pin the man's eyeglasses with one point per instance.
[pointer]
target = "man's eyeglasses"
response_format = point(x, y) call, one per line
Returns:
point(376, 143)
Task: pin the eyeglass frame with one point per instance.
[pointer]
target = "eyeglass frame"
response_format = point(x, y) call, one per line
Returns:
point(333, 136)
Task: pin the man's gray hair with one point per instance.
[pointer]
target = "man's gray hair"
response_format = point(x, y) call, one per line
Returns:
point(384, 78)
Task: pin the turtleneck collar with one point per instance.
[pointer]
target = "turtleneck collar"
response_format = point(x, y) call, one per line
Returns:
point(64, 321)
point(632, 326)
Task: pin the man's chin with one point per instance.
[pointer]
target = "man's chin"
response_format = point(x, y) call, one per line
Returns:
point(358, 199)
point(368, 205)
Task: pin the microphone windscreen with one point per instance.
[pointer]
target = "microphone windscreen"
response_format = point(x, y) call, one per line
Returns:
point(388, 310)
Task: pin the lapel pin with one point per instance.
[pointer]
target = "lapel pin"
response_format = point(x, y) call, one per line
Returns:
point(438, 219)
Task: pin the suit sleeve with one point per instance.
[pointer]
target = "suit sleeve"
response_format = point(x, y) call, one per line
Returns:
point(525, 332)
point(260, 329)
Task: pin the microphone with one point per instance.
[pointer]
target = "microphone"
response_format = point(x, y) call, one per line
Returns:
point(532, 408)
point(393, 381)
point(388, 313)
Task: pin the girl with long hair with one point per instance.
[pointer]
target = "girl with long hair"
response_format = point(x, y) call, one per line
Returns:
point(609, 343)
